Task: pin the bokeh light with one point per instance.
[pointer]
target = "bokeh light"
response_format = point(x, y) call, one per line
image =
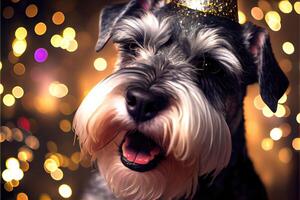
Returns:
point(9, 100)
point(1, 88)
point(298, 118)
point(21, 33)
point(18, 92)
point(58, 89)
point(40, 55)
point(267, 144)
point(273, 20)
point(22, 196)
point(65, 125)
point(57, 174)
point(19, 69)
point(8, 12)
point(58, 18)
point(297, 7)
point(285, 155)
point(296, 144)
point(69, 33)
point(40, 28)
point(12, 163)
point(276, 134)
point(257, 13)
point(19, 47)
point(242, 17)
point(100, 64)
point(65, 191)
point(285, 6)
point(56, 40)
point(45, 197)
point(31, 10)
point(288, 48)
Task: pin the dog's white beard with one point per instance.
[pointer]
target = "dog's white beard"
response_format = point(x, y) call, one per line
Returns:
point(193, 134)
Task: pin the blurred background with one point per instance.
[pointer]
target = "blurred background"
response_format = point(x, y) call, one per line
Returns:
point(48, 64)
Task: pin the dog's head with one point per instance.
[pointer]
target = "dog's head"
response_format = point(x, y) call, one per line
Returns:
point(165, 116)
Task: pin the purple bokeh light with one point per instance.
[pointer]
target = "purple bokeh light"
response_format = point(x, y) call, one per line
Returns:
point(40, 55)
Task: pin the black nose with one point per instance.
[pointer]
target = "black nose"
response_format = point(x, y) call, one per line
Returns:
point(143, 105)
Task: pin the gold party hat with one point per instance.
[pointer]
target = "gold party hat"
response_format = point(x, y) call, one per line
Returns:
point(220, 8)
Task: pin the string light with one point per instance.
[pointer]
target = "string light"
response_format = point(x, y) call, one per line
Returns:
point(267, 144)
point(19, 69)
point(8, 12)
point(22, 196)
point(298, 118)
point(65, 125)
point(273, 20)
point(58, 89)
point(18, 92)
point(56, 40)
point(40, 55)
point(21, 33)
point(285, 155)
point(1, 88)
point(297, 7)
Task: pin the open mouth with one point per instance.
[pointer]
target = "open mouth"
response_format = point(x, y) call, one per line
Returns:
point(139, 152)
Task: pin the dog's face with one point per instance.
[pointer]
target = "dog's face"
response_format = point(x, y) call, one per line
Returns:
point(166, 115)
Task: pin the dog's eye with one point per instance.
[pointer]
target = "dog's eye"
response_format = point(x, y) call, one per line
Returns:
point(130, 47)
point(210, 65)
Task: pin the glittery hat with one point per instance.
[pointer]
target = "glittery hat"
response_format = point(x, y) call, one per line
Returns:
point(220, 8)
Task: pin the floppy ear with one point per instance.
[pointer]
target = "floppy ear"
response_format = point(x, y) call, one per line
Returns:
point(110, 15)
point(272, 81)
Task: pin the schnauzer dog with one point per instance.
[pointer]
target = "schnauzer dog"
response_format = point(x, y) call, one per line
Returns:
point(168, 123)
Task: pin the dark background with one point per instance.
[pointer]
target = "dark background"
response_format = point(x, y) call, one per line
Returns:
point(278, 166)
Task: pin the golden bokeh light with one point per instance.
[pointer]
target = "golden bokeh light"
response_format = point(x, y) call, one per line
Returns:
point(296, 144)
point(1, 88)
point(100, 64)
point(297, 7)
point(69, 33)
point(281, 111)
point(75, 157)
point(8, 187)
point(257, 13)
point(31, 11)
point(18, 92)
point(45, 104)
point(267, 144)
point(273, 20)
point(57, 89)
point(72, 46)
point(276, 134)
point(267, 112)
point(258, 102)
point(9, 100)
point(44, 197)
point(19, 47)
point(242, 17)
point(58, 18)
point(56, 40)
point(288, 48)
point(57, 174)
point(12, 163)
point(286, 129)
point(21, 33)
point(285, 6)
point(25, 154)
point(0, 65)
point(50, 165)
point(65, 191)
point(65, 125)
point(40, 28)
point(19, 69)
point(285, 155)
point(22, 196)
point(283, 99)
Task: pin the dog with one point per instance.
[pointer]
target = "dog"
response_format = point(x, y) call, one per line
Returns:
point(168, 123)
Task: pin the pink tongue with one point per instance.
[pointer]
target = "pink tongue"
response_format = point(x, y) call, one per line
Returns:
point(137, 157)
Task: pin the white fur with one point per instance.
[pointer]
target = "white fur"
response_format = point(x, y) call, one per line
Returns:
point(193, 134)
